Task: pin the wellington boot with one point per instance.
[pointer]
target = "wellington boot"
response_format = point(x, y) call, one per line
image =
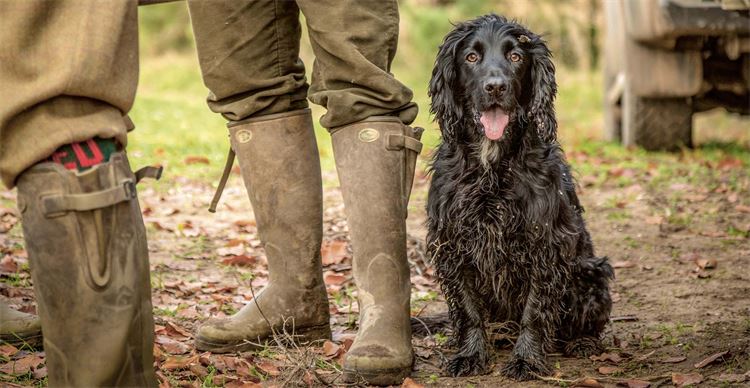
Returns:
point(87, 249)
point(278, 158)
point(18, 328)
point(375, 160)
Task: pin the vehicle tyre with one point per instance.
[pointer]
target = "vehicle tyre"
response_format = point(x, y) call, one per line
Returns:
point(656, 123)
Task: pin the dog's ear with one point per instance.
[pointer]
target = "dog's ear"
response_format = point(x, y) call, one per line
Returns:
point(544, 89)
point(447, 110)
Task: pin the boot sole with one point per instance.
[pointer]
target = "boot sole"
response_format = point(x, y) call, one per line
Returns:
point(381, 377)
point(302, 336)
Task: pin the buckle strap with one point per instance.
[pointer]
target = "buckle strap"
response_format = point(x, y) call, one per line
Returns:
point(397, 142)
point(54, 204)
point(124, 191)
point(148, 172)
point(222, 181)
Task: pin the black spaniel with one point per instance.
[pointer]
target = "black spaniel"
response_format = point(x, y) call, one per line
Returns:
point(505, 227)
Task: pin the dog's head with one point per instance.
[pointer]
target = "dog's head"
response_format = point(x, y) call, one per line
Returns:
point(498, 76)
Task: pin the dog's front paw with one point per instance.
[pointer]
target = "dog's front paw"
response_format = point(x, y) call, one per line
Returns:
point(522, 369)
point(460, 365)
point(583, 347)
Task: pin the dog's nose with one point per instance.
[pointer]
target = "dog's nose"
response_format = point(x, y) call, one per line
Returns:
point(495, 86)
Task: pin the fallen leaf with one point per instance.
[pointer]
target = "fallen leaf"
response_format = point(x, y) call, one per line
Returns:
point(742, 208)
point(197, 160)
point(409, 383)
point(654, 220)
point(40, 373)
point(8, 265)
point(242, 384)
point(7, 350)
point(333, 252)
point(331, 349)
point(173, 330)
point(623, 264)
point(710, 359)
point(611, 357)
point(681, 380)
point(706, 263)
point(240, 261)
point(178, 362)
point(335, 279)
point(635, 383)
point(22, 366)
point(270, 369)
point(673, 360)
point(608, 370)
point(587, 382)
point(172, 346)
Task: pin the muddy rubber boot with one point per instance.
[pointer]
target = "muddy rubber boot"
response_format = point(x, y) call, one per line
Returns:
point(19, 328)
point(375, 160)
point(87, 250)
point(278, 158)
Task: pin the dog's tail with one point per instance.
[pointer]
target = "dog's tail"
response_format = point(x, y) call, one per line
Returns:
point(430, 324)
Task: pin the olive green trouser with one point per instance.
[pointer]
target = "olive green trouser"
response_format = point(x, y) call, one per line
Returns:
point(69, 68)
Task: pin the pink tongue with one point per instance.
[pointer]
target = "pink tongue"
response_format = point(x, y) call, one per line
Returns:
point(494, 121)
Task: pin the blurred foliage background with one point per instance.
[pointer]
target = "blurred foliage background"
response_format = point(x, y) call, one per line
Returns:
point(174, 122)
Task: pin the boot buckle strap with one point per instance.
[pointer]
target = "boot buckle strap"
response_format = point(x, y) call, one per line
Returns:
point(56, 205)
point(398, 142)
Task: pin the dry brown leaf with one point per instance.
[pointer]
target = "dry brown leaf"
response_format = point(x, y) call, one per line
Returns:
point(172, 346)
point(742, 208)
point(608, 370)
point(8, 265)
point(587, 382)
point(193, 159)
point(8, 350)
point(178, 362)
point(623, 264)
point(240, 261)
point(706, 263)
point(333, 252)
point(710, 359)
point(335, 279)
point(242, 384)
point(635, 383)
point(331, 349)
point(654, 220)
point(269, 368)
point(40, 373)
point(175, 331)
point(611, 357)
point(409, 383)
point(22, 366)
point(673, 360)
point(681, 380)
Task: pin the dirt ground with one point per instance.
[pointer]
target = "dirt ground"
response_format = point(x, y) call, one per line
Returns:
point(679, 245)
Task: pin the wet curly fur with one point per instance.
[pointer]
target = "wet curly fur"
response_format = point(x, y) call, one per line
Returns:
point(505, 228)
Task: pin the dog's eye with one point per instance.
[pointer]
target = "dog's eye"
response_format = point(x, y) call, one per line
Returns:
point(514, 57)
point(472, 57)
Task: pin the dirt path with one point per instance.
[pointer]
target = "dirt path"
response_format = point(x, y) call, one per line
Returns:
point(682, 294)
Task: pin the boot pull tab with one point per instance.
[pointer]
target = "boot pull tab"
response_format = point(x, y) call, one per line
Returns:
point(151, 172)
point(222, 181)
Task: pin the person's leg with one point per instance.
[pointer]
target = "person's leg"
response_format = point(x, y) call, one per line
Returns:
point(249, 55)
point(375, 151)
point(354, 44)
point(69, 71)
